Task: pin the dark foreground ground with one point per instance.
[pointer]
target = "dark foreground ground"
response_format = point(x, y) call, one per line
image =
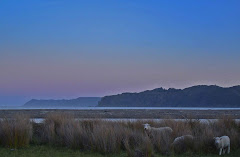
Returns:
point(46, 151)
point(129, 113)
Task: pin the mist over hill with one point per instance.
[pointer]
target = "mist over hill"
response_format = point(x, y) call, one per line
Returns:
point(196, 96)
point(79, 102)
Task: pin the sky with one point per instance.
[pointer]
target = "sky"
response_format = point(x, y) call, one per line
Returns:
point(71, 48)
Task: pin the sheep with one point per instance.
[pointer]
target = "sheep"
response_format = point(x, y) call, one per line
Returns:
point(150, 130)
point(222, 143)
point(182, 138)
point(160, 137)
point(182, 143)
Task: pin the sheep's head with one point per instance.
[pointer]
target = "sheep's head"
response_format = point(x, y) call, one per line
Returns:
point(217, 141)
point(146, 126)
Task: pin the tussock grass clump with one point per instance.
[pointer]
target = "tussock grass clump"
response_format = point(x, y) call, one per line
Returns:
point(162, 141)
point(61, 129)
point(108, 137)
point(99, 136)
point(15, 132)
point(138, 145)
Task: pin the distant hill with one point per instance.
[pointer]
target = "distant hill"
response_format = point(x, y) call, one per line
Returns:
point(79, 102)
point(196, 96)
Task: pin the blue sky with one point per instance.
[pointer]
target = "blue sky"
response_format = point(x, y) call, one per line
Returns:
point(66, 49)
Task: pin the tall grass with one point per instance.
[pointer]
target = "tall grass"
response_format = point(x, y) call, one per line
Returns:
point(15, 132)
point(138, 145)
point(113, 137)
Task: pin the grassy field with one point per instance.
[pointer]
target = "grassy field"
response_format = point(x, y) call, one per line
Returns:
point(61, 135)
point(46, 151)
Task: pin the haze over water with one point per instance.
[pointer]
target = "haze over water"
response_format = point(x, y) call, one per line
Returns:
point(67, 49)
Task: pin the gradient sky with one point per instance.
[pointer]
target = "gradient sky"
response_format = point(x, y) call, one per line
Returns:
point(66, 49)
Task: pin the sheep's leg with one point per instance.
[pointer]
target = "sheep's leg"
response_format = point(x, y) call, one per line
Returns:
point(220, 151)
point(224, 150)
point(228, 149)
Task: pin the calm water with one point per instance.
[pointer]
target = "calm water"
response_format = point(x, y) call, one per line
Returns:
point(115, 108)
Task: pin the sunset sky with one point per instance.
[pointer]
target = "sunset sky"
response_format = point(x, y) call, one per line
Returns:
point(72, 48)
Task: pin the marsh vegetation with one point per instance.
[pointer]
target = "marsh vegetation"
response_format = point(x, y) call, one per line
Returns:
point(60, 130)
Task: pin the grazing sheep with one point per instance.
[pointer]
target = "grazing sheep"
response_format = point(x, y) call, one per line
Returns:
point(182, 144)
point(222, 143)
point(150, 130)
point(182, 138)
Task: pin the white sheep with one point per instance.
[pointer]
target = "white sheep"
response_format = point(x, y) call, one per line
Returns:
point(182, 143)
point(182, 139)
point(150, 130)
point(222, 143)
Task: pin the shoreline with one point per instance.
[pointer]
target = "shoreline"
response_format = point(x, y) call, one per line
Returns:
point(127, 113)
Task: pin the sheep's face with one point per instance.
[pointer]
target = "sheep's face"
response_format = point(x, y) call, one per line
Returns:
point(146, 126)
point(217, 142)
